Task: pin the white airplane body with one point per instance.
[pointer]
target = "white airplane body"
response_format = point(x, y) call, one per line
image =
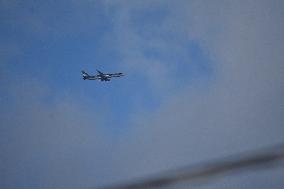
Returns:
point(100, 76)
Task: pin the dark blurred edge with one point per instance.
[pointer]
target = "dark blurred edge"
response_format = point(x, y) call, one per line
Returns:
point(262, 158)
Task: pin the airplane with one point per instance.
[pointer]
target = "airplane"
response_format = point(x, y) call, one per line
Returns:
point(100, 76)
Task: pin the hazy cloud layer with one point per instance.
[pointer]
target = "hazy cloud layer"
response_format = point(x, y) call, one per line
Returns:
point(241, 110)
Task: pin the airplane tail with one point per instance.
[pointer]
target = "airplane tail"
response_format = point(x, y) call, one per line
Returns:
point(85, 74)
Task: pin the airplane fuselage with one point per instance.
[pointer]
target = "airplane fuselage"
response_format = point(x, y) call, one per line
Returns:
point(101, 76)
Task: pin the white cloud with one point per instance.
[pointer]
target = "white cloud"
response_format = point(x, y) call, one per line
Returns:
point(242, 110)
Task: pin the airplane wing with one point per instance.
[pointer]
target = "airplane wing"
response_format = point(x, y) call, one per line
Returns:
point(101, 73)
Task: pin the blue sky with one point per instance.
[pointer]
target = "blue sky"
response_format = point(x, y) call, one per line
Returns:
point(202, 80)
point(57, 40)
